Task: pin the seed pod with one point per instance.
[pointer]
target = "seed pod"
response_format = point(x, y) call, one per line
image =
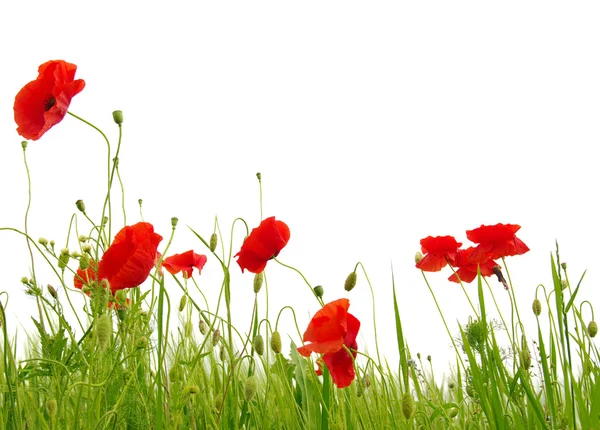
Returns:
point(318, 291)
point(259, 344)
point(202, 326)
point(213, 242)
point(80, 205)
point(592, 329)
point(276, 342)
point(350, 281)
point(103, 331)
point(250, 388)
point(537, 307)
point(118, 117)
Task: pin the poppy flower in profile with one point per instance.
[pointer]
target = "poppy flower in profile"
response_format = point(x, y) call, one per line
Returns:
point(330, 332)
point(184, 263)
point(129, 259)
point(262, 244)
point(437, 251)
point(467, 267)
point(496, 241)
point(43, 103)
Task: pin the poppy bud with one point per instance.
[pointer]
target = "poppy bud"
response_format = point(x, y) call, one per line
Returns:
point(592, 329)
point(408, 405)
point(429, 358)
point(418, 257)
point(187, 328)
point(318, 291)
point(258, 281)
point(103, 331)
point(52, 407)
point(259, 344)
point(87, 248)
point(192, 389)
point(350, 281)
point(216, 336)
point(174, 221)
point(24, 145)
point(80, 205)
point(43, 241)
point(175, 372)
point(182, 303)
point(118, 117)
point(83, 238)
point(222, 353)
point(202, 326)
point(563, 284)
point(276, 342)
point(63, 259)
point(213, 242)
point(250, 388)
point(52, 291)
point(563, 265)
point(537, 307)
point(525, 358)
point(258, 176)
point(104, 221)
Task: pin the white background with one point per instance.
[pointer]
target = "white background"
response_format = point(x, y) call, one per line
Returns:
point(373, 124)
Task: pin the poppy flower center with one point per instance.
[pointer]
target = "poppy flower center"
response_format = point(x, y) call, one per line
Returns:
point(49, 103)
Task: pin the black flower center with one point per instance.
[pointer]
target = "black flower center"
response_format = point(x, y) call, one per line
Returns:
point(49, 102)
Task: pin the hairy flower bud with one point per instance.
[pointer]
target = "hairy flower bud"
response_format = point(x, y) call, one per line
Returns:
point(103, 331)
point(63, 259)
point(537, 307)
point(43, 241)
point(187, 328)
point(408, 405)
point(418, 257)
point(52, 291)
point(350, 281)
point(216, 337)
point(276, 342)
point(250, 388)
point(118, 117)
point(213, 242)
point(80, 205)
point(202, 326)
point(51, 407)
point(84, 262)
point(258, 281)
point(259, 344)
point(182, 303)
point(592, 329)
point(318, 291)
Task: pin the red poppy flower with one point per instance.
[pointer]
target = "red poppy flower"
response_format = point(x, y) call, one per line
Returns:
point(43, 103)
point(438, 250)
point(467, 267)
point(330, 331)
point(497, 241)
point(129, 259)
point(263, 244)
point(184, 263)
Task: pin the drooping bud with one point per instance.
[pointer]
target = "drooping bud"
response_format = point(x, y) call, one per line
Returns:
point(318, 291)
point(118, 117)
point(276, 342)
point(524, 354)
point(592, 329)
point(80, 205)
point(408, 405)
point(250, 388)
point(216, 337)
point(202, 326)
point(350, 281)
point(213, 242)
point(103, 331)
point(537, 307)
point(259, 344)
point(52, 408)
point(52, 291)
point(174, 221)
point(418, 257)
point(258, 281)
point(258, 176)
point(182, 303)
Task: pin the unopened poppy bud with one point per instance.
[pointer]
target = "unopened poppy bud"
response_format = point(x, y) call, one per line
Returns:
point(350, 281)
point(52, 291)
point(80, 205)
point(118, 117)
point(216, 336)
point(202, 326)
point(87, 248)
point(25, 280)
point(537, 307)
point(103, 331)
point(563, 265)
point(418, 257)
point(43, 241)
point(258, 176)
point(563, 283)
point(250, 388)
point(408, 405)
point(258, 281)
point(24, 144)
point(176, 372)
point(429, 358)
point(213, 242)
point(84, 262)
point(259, 344)
point(192, 389)
point(83, 238)
point(318, 291)
point(187, 328)
point(52, 407)
point(52, 243)
point(182, 303)
point(592, 329)
point(276, 342)
point(174, 221)
point(104, 221)
point(63, 259)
